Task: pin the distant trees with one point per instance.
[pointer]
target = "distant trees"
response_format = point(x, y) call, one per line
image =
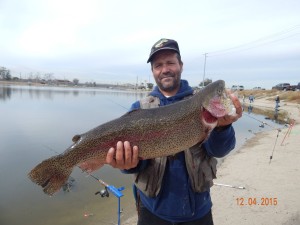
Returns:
point(5, 74)
point(150, 86)
point(48, 76)
point(75, 81)
point(206, 82)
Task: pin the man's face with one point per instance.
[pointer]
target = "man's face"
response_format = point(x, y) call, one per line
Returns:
point(167, 70)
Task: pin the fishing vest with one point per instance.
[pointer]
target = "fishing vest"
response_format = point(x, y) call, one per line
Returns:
point(201, 168)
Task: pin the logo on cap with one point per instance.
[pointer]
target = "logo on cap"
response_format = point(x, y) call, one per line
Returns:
point(161, 43)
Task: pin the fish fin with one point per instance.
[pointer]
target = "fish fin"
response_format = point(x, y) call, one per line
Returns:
point(50, 174)
point(76, 138)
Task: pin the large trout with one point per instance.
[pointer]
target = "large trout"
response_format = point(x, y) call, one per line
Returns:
point(157, 132)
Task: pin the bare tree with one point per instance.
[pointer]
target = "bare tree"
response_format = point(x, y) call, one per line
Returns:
point(48, 76)
point(75, 81)
point(5, 73)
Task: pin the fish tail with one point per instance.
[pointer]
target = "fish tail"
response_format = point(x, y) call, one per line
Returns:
point(51, 174)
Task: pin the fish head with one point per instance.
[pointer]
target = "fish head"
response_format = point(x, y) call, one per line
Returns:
point(216, 101)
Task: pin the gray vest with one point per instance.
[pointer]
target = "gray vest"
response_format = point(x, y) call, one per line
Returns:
point(201, 168)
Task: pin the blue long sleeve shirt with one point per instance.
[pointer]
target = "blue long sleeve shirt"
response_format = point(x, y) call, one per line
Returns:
point(177, 202)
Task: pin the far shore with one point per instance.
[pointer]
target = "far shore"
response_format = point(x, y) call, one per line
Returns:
point(117, 87)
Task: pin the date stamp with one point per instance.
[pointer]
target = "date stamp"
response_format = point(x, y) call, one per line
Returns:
point(255, 201)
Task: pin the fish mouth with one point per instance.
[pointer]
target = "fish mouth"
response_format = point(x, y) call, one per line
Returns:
point(208, 117)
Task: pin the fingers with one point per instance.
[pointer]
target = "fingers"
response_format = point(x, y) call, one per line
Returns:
point(237, 105)
point(110, 157)
point(135, 156)
point(120, 154)
point(123, 156)
point(230, 118)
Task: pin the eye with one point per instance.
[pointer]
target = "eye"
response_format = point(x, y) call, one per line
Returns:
point(157, 66)
point(219, 91)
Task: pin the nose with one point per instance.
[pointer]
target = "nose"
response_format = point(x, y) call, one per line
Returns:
point(165, 69)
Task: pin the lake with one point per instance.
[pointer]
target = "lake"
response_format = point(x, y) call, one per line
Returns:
point(39, 122)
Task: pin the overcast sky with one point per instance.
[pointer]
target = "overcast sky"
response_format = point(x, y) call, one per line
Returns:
point(252, 43)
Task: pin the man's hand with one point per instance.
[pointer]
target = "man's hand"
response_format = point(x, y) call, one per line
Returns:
point(230, 118)
point(123, 157)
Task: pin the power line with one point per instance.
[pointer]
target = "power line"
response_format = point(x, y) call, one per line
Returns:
point(259, 42)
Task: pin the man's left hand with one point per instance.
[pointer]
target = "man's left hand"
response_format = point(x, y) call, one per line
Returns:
point(230, 118)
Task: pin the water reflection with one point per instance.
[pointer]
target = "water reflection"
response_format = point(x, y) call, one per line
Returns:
point(7, 92)
point(250, 108)
point(276, 112)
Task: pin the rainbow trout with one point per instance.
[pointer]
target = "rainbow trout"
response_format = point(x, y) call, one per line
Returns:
point(157, 132)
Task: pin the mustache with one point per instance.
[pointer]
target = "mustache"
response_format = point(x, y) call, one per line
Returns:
point(166, 75)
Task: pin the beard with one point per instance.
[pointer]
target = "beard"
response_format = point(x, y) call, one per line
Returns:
point(168, 82)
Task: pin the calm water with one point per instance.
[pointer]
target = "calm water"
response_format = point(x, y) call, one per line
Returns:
point(37, 122)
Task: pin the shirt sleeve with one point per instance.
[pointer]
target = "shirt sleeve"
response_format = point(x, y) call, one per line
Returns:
point(220, 143)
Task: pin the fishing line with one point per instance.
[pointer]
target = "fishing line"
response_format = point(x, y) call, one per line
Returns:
point(289, 131)
point(117, 192)
point(86, 212)
point(127, 109)
point(82, 170)
point(264, 123)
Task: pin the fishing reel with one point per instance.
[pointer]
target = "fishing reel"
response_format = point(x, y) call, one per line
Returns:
point(103, 193)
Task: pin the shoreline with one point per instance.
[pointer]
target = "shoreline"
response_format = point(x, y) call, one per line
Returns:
point(272, 187)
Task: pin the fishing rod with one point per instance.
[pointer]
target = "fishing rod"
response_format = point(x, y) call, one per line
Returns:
point(117, 192)
point(271, 156)
point(228, 185)
point(278, 130)
point(289, 131)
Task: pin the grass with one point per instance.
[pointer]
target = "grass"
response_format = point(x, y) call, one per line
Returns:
point(287, 96)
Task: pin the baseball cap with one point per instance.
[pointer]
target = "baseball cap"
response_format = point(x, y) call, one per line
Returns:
point(163, 44)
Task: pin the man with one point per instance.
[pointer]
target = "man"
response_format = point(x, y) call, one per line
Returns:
point(251, 98)
point(277, 100)
point(171, 190)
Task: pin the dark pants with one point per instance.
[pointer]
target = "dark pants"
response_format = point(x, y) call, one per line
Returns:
point(147, 218)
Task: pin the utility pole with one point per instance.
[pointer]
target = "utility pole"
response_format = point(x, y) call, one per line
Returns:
point(205, 55)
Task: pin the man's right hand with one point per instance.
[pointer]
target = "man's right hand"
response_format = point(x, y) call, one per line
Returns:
point(123, 156)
